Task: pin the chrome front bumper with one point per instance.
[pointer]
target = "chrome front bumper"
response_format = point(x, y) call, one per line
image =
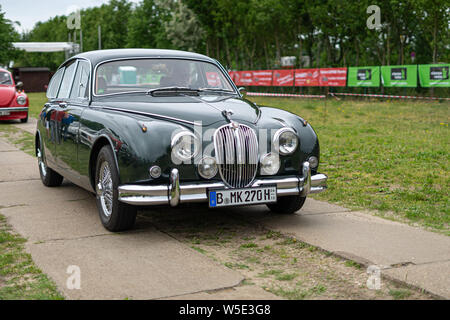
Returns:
point(177, 192)
point(14, 109)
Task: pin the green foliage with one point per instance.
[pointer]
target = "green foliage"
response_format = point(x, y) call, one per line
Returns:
point(7, 36)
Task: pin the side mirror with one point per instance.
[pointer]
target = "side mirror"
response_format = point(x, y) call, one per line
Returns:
point(242, 91)
point(19, 85)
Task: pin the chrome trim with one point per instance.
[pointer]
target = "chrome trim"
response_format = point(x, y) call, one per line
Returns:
point(236, 147)
point(208, 60)
point(177, 192)
point(14, 109)
point(306, 172)
point(174, 188)
point(144, 114)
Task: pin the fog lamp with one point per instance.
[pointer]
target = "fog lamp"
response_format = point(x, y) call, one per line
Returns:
point(207, 168)
point(270, 163)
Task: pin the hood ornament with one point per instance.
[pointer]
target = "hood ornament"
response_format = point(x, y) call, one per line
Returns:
point(227, 114)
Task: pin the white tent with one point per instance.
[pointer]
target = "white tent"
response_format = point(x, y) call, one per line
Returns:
point(47, 46)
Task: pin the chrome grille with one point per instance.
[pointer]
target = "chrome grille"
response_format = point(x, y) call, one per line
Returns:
point(236, 147)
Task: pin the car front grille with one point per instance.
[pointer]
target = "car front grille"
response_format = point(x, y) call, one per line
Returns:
point(236, 147)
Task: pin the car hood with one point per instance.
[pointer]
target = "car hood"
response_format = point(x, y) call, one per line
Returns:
point(207, 109)
point(7, 93)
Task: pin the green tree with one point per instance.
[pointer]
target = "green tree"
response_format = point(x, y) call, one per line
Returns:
point(7, 36)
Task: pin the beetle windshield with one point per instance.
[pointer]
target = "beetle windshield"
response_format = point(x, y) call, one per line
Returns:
point(5, 78)
point(150, 74)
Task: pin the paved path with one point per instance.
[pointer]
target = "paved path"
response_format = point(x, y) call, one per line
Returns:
point(63, 229)
point(412, 255)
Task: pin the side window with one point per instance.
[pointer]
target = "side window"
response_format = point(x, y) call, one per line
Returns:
point(53, 86)
point(67, 81)
point(81, 81)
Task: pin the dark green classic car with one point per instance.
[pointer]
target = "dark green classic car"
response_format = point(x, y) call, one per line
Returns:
point(142, 127)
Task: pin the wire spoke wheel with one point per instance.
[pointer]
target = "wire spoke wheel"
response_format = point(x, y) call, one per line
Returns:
point(41, 163)
point(105, 189)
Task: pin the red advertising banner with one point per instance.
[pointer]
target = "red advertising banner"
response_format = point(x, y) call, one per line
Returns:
point(283, 78)
point(333, 77)
point(262, 77)
point(307, 77)
point(243, 78)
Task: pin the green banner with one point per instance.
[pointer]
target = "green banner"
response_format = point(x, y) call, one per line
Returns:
point(434, 75)
point(363, 76)
point(399, 76)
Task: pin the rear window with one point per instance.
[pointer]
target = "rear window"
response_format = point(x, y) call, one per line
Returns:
point(53, 86)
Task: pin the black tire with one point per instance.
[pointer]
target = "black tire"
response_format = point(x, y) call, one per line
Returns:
point(120, 216)
point(287, 204)
point(49, 177)
point(24, 120)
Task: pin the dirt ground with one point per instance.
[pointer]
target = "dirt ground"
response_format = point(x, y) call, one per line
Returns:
point(275, 262)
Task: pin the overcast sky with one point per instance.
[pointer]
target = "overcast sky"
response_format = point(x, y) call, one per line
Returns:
point(28, 12)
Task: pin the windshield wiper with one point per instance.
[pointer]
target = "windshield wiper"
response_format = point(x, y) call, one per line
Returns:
point(218, 90)
point(174, 89)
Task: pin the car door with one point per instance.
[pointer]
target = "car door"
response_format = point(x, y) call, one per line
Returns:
point(73, 97)
point(47, 124)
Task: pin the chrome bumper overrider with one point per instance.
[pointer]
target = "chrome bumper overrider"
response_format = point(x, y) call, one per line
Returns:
point(177, 192)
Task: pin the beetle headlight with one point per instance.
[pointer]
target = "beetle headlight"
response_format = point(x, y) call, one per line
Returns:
point(185, 145)
point(285, 141)
point(21, 100)
point(207, 167)
point(270, 163)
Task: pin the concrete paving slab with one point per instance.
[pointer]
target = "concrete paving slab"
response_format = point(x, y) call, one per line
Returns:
point(139, 265)
point(30, 126)
point(435, 277)
point(236, 293)
point(56, 220)
point(359, 234)
point(35, 193)
point(16, 165)
point(4, 146)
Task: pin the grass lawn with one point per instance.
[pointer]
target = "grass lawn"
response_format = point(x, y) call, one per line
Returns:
point(389, 156)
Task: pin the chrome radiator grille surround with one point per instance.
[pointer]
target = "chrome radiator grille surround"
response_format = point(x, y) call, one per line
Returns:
point(236, 148)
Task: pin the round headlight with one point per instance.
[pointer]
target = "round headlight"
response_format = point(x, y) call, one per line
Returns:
point(207, 168)
point(185, 145)
point(22, 100)
point(285, 141)
point(270, 164)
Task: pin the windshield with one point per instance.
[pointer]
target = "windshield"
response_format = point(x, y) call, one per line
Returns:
point(149, 74)
point(5, 78)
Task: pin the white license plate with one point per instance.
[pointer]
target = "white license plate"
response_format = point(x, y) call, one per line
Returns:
point(236, 197)
point(4, 113)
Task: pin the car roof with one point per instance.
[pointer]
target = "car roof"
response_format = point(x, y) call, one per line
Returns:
point(98, 56)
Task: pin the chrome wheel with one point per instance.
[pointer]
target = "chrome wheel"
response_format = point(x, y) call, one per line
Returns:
point(105, 189)
point(41, 163)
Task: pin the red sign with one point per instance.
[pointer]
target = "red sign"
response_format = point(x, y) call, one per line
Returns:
point(262, 77)
point(283, 78)
point(306, 77)
point(243, 78)
point(333, 77)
